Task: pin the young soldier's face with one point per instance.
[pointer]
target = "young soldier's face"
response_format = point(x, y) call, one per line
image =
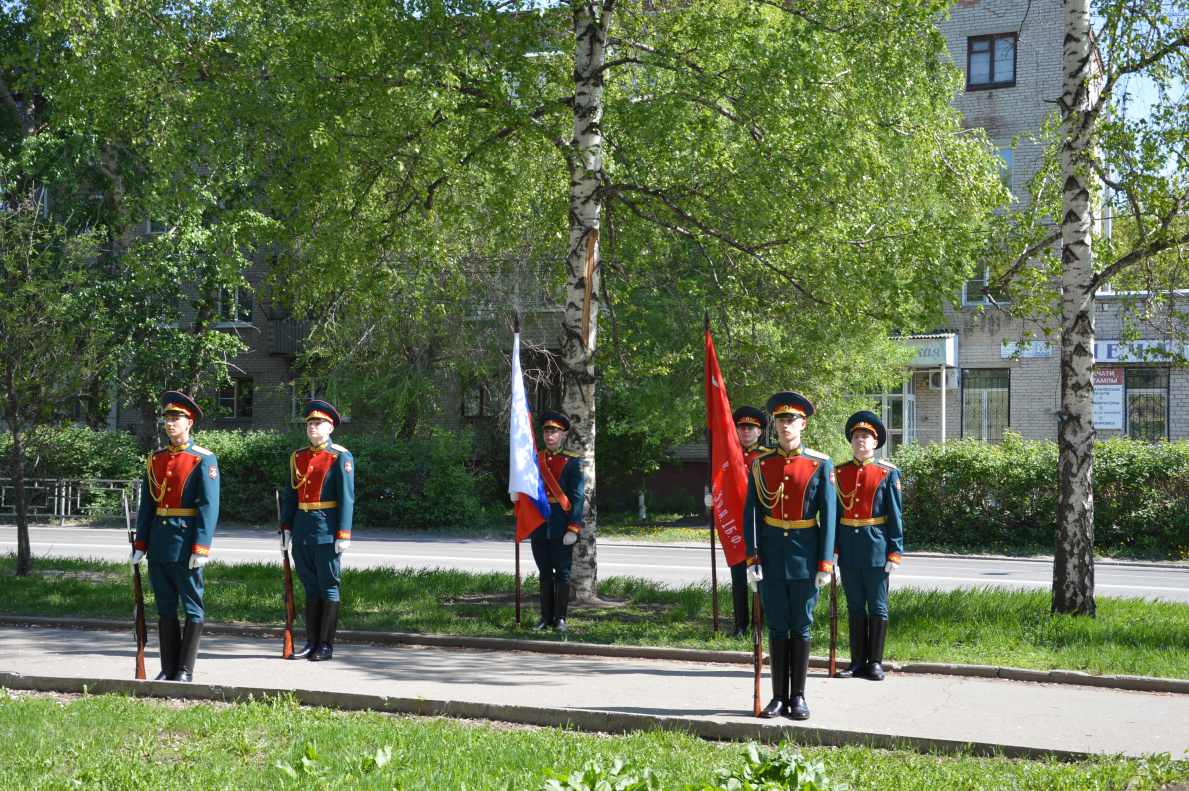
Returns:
point(318, 431)
point(177, 428)
point(553, 437)
point(748, 434)
point(788, 429)
point(862, 442)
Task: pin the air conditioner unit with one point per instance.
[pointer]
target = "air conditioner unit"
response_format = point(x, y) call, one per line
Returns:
point(951, 379)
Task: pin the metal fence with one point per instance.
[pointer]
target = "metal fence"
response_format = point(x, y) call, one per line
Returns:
point(62, 498)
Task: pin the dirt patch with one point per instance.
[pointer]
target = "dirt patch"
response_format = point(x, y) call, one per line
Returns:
point(506, 599)
point(82, 575)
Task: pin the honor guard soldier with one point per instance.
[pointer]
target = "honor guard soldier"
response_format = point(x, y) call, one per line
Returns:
point(179, 508)
point(553, 542)
point(789, 529)
point(750, 423)
point(316, 520)
point(869, 538)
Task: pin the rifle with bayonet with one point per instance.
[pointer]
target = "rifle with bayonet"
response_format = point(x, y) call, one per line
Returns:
point(290, 614)
point(142, 633)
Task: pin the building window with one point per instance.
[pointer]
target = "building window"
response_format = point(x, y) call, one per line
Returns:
point(477, 402)
point(898, 411)
point(1147, 404)
point(236, 400)
point(235, 305)
point(156, 227)
point(1006, 163)
point(972, 291)
point(991, 61)
point(986, 403)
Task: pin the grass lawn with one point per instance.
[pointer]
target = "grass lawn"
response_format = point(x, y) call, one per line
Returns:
point(115, 742)
point(985, 626)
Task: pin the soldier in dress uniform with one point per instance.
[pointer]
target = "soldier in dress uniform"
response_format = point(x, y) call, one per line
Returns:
point(789, 529)
point(869, 538)
point(750, 423)
point(553, 542)
point(179, 508)
point(316, 520)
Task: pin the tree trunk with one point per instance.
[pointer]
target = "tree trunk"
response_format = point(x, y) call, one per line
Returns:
point(148, 423)
point(20, 502)
point(1073, 556)
point(578, 379)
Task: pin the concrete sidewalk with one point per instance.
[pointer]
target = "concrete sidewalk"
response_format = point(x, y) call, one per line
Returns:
point(714, 700)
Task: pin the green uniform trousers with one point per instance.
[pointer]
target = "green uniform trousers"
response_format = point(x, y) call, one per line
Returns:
point(866, 592)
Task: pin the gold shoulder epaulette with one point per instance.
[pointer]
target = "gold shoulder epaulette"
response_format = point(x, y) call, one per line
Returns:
point(571, 454)
point(762, 449)
point(886, 463)
point(339, 448)
point(815, 454)
point(200, 451)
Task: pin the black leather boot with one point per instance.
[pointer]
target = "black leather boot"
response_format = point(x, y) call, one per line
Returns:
point(858, 650)
point(740, 597)
point(798, 670)
point(313, 625)
point(190, 637)
point(561, 600)
point(169, 641)
point(546, 607)
point(877, 636)
point(777, 650)
point(330, 622)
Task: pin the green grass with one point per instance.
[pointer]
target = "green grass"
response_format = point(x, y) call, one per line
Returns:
point(115, 742)
point(982, 626)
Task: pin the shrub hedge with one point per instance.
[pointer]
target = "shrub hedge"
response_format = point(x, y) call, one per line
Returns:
point(970, 493)
point(425, 482)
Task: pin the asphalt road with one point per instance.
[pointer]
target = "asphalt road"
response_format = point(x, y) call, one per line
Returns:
point(673, 565)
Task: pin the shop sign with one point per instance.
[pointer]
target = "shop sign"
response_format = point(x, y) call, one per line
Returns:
point(1139, 351)
point(1028, 350)
point(933, 352)
point(1108, 398)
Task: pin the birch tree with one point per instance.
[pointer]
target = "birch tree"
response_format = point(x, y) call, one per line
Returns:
point(1105, 161)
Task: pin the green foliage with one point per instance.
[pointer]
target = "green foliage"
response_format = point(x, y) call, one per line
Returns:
point(591, 777)
point(787, 768)
point(975, 494)
point(68, 451)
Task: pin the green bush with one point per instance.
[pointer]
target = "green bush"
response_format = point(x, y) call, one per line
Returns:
point(970, 493)
point(425, 482)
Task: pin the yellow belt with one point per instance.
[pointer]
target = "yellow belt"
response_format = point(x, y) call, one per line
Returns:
point(177, 512)
point(318, 506)
point(796, 524)
point(879, 520)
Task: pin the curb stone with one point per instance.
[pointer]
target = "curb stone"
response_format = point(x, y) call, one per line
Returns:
point(711, 729)
point(1075, 677)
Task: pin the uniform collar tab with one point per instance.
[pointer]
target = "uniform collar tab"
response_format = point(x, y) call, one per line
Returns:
point(865, 462)
point(182, 447)
point(794, 452)
point(323, 446)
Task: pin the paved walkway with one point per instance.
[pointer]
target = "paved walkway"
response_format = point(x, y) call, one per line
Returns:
point(1035, 716)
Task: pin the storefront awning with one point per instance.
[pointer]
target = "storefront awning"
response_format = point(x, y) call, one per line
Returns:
point(933, 350)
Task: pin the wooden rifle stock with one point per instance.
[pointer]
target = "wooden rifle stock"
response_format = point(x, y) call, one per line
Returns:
point(287, 650)
point(757, 651)
point(833, 623)
point(142, 632)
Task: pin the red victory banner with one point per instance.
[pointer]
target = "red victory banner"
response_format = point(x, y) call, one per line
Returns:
point(728, 476)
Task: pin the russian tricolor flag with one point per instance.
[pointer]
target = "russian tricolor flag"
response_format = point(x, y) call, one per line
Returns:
point(532, 507)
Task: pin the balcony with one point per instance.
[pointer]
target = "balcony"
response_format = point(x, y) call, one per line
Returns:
point(287, 336)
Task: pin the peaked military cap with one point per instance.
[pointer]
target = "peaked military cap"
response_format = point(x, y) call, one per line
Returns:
point(750, 416)
point(869, 421)
point(555, 420)
point(786, 402)
point(321, 410)
point(173, 402)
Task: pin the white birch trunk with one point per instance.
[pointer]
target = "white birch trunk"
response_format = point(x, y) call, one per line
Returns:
point(1073, 557)
point(578, 380)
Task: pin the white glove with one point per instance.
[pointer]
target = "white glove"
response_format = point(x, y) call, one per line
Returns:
point(822, 579)
point(754, 575)
point(514, 496)
point(198, 561)
point(570, 538)
point(341, 544)
point(891, 566)
point(286, 539)
point(708, 501)
point(136, 556)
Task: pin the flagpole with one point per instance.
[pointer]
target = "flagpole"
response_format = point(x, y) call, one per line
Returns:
point(516, 329)
point(709, 471)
